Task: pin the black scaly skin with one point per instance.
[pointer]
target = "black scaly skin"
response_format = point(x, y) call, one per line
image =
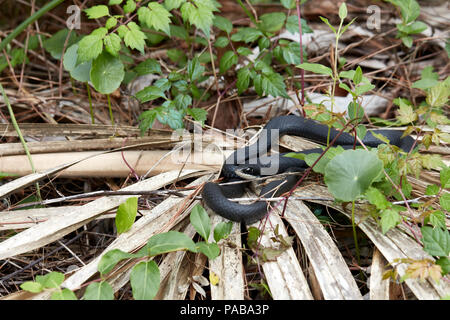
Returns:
point(216, 197)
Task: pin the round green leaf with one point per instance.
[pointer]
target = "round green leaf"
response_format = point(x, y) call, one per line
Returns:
point(144, 279)
point(168, 242)
point(126, 214)
point(80, 71)
point(349, 174)
point(211, 250)
point(107, 73)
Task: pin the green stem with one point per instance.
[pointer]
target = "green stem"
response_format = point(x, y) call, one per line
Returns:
point(248, 13)
point(355, 238)
point(90, 103)
point(49, 6)
point(110, 110)
point(22, 140)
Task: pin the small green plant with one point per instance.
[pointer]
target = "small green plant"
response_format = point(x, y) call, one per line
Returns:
point(145, 275)
point(410, 11)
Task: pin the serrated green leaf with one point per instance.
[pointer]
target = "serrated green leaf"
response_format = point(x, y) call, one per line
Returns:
point(438, 95)
point(389, 219)
point(273, 84)
point(377, 198)
point(445, 177)
point(432, 190)
point(99, 291)
point(130, 6)
point(444, 262)
point(112, 44)
point(107, 73)
point(201, 222)
point(211, 250)
point(436, 241)
point(228, 59)
point(198, 114)
point(96, 12)
point(134, 37)
point(427, 80)
point(406, 114)
point(222, 230)
point(155, 16)
point(144, 280)
point(444, 201)
point(354, 169)
point(437, 219)
point(89, 48)
point(110, 23)
point(126, 214)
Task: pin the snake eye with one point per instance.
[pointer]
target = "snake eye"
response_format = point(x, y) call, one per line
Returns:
point(248, 170)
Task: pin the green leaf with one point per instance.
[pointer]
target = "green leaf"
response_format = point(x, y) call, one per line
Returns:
point(155, 16)
point(389, 219)
point(343, 11)
point(198, 114)
point(211, 250)
point(444, 262)
point(410, 9)
point(360, 90)
point(407, 41)
point(445, 177)
point(357, 77)
point(31, 286)
point(272, 22)
point(96, 12)
point(292, 25)
point(273, 84)
point(243, 79)
point(221, 42)
point(406, 113)
point(195, 69)
point(436, 241)
point(222, 230)
point(177, 56)
point(223, 24)
point(288, 4)
point(246, 35)
point(377, 198)
point(112, 44)
point(126, 214)
point(144, 280)
point(427, 80)
point(51, 280)
point(355, 111)
point(64, 294)
point(432, 190)
point(134, 37)
point(130, 6)
point(107, 73)
point(90, 47)
point(201, 15)
point(201, 222)
point(168, 242)
point(444, 201)
point(109, 260)
point(173, 4)
point(244, 51)
point(325, 20)
point(114, 2)
point(55, 44)
point(437, 219)
point(354, 169)
point(438, 95)
point(412, 28)
point(150, 93)
point(316, 68)
point(291, 53)
point(228, 59)
point(99, 291)
point(148, 66)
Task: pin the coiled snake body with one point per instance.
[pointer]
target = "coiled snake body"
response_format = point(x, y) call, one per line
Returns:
point(253, 159)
